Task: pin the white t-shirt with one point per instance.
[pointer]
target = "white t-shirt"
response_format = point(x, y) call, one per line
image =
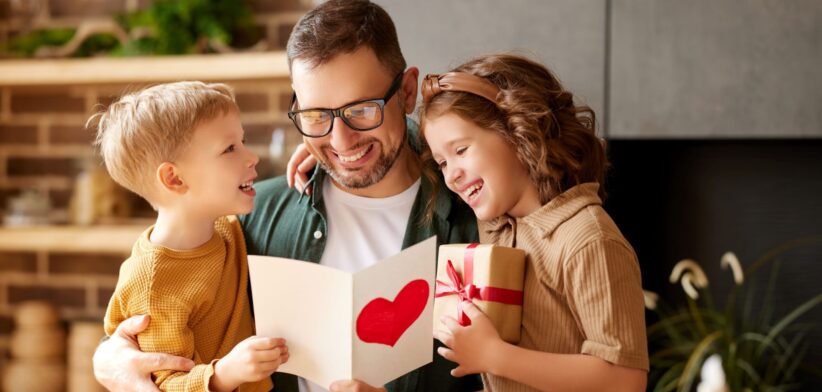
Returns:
point(361, 232)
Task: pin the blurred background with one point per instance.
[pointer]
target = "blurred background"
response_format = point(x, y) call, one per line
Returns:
point(712, 111)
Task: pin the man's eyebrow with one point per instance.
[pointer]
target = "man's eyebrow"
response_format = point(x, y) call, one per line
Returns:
point(294, 100)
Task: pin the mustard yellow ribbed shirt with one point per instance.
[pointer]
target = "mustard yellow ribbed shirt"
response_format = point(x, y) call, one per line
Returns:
point(197, 300)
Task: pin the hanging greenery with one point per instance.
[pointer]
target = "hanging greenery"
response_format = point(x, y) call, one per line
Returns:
point(189, 26)
point(165, 27)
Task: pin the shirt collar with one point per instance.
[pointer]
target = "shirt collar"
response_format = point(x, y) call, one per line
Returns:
point(561, 208)
point(316, 185)
point(442, 205)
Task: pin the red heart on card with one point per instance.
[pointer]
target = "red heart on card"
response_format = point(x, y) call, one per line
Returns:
point(383, 321)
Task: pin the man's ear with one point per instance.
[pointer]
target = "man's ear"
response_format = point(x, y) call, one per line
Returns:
point(169, 177)
point(292, 98)
point(409, 89)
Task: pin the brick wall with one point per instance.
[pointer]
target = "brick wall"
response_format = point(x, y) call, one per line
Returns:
point(43, 144)
point(43, 141)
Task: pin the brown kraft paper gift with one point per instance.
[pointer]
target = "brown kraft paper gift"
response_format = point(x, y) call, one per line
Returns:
point(490, 276)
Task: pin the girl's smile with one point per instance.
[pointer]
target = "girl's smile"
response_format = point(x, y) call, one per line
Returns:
point(480, 167)
point(471, 193)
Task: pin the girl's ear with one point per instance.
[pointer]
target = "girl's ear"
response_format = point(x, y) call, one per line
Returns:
point(409, 89)
point(169, 177)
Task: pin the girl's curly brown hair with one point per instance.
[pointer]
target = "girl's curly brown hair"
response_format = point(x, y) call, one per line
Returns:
point(553, 138)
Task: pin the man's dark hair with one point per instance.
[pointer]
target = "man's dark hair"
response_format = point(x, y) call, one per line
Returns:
point(343, 26)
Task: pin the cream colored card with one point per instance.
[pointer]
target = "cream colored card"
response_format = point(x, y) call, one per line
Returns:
point(373, 325)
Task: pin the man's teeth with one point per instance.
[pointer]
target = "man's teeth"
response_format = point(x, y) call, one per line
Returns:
point(352, 158)
point(246, 185)
point(473, 188)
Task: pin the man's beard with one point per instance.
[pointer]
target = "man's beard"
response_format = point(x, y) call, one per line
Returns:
point(358, 179)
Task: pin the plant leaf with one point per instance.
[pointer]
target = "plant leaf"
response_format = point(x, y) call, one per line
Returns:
point(767, 307)
point(778, 250)
point(691, 367)
point(669, 379)
point(700, 325)
point(787, 320)
point(749, 370)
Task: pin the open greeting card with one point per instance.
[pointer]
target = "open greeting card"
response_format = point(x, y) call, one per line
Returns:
point(373, 325)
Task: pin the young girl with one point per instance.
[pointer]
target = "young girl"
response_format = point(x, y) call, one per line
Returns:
point(511, 143)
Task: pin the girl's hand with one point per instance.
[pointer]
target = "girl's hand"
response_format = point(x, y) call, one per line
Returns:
point(474, 347)
point(251, 360)
point(300, 163)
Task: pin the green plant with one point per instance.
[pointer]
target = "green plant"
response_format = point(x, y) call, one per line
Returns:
point(26, 45)
point(188, 26)
point(759, 350)
point(164, 27)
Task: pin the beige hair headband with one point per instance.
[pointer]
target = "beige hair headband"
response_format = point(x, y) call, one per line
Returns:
point(434, 84)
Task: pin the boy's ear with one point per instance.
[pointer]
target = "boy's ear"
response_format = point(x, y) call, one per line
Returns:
point(169, 177)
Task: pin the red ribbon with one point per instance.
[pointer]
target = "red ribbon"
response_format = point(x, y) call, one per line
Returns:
point(467, 291)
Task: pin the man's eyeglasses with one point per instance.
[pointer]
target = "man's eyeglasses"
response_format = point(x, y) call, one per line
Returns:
point(362, 115)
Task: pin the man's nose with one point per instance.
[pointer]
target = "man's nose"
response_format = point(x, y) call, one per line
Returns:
point(342, 136)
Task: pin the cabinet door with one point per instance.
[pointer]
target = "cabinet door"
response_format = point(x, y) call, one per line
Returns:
point(567, 35)
point(707, 68)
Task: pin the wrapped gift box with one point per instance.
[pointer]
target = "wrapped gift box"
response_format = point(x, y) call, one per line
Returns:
point(490, 276)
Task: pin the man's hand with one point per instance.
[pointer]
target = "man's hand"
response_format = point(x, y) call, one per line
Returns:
point(119, 365)
point(353, 386)
point(473, 347)
point(300, 163)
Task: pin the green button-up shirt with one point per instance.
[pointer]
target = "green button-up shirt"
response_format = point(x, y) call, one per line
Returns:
point(285, 223)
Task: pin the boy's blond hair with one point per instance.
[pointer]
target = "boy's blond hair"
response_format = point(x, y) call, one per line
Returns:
point(143, 129)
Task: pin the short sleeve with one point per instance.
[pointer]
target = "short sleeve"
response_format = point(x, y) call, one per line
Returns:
point(604, 292)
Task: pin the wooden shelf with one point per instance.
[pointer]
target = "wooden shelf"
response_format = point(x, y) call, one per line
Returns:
point(86, 239)
point(217, 67)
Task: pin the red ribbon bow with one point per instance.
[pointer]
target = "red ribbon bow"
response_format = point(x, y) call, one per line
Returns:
point(467, 291)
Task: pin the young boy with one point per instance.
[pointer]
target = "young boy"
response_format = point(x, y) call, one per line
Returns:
point(180, 146)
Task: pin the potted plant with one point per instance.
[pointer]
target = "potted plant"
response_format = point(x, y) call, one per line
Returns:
point(735, 347)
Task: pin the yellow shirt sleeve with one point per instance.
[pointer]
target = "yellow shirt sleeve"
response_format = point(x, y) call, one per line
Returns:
point(169, 333)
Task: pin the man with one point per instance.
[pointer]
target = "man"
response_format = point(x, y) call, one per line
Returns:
point(352, 95)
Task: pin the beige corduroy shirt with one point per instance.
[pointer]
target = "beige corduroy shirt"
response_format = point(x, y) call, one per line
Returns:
point(583, 290)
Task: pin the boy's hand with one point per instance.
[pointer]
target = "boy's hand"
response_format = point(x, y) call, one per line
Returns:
point(251, 360)
point(473, 347)
point(353, 386)
point(119, 365)
point(300, 163)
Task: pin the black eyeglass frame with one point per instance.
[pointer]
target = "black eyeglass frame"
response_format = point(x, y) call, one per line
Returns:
point(395, 85)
